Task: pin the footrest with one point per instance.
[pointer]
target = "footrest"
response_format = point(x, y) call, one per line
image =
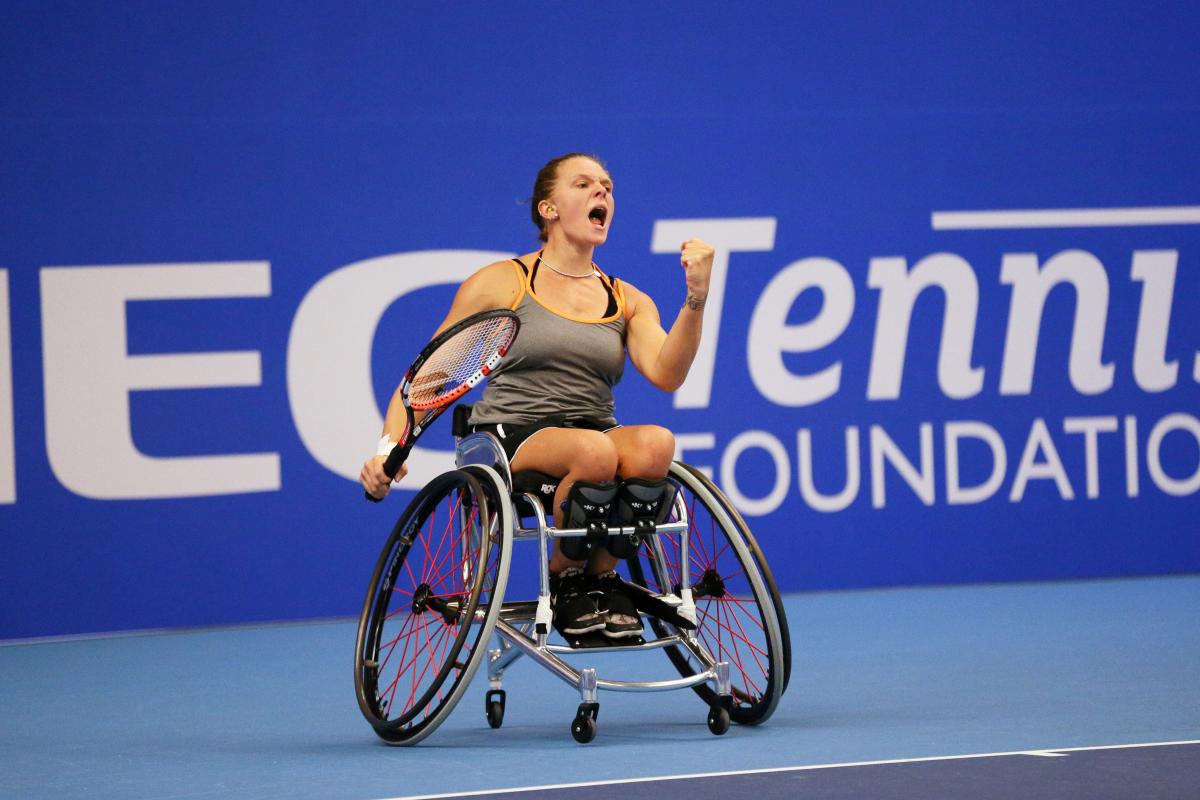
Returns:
point(595, 640)
point(648, 603)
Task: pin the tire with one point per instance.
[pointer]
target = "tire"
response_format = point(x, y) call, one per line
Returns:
point(432, 604)
point(737, 605)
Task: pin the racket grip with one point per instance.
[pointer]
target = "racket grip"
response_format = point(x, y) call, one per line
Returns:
point(392, 465)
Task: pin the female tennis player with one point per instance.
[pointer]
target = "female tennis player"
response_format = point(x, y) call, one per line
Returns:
point(550, 402)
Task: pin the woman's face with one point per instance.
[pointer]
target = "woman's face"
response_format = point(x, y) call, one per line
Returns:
point(583, 200)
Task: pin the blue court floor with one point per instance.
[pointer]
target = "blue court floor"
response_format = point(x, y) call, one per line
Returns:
point(269, 712)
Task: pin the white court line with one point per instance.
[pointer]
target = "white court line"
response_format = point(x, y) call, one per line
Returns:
point(1064, 218)
point(1047, 751)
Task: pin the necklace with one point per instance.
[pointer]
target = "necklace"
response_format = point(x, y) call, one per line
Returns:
point(566, 274)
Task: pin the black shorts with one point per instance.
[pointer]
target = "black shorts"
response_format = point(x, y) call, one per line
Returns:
point(513, 436)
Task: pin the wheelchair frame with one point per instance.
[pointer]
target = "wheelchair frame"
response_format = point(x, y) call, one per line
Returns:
point(492, 520)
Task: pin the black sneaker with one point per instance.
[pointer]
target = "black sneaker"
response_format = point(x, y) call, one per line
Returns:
point(622, 620)
point(575, 610)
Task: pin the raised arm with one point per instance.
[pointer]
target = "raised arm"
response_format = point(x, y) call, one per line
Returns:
point(665, 357)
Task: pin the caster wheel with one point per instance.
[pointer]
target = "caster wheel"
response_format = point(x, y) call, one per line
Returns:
point(718, 720)
point(583, 729)
point(494, 707)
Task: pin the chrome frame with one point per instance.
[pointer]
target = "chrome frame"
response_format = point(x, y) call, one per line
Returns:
point(523, 627)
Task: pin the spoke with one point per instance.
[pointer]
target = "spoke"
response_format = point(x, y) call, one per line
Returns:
point(408, 564)
point(731, 612)
point(445, 543)
point(444, 571)
point(412, 694)
point(724, 549)
point(737, 653)
point(733, 633)
point(391, 646)
point(742, 604)
point(431, 646)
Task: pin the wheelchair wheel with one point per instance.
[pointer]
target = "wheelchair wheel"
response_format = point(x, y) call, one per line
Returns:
point(432, 604)
point(737, 605)
point(736, 517)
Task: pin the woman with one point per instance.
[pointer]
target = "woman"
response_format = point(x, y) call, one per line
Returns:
point(550, 403)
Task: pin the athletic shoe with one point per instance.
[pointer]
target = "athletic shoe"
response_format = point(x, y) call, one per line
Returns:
point(575, 610)
point(622, 620)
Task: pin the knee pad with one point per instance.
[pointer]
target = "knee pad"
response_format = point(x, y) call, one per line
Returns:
point(642, 500)
point(644, 504)
point(588, 505)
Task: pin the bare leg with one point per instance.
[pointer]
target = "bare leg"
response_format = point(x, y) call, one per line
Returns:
point(576, 455)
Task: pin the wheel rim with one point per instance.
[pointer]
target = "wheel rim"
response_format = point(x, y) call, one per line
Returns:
point(429, 612)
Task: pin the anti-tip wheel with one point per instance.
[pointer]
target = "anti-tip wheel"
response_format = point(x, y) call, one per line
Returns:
point(718, 720)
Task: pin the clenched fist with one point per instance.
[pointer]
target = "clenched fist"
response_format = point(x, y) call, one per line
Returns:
point(696, 257)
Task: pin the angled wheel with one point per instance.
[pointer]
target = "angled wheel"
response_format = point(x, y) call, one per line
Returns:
point(432, 604)
point(755, 551)
point(738, 608)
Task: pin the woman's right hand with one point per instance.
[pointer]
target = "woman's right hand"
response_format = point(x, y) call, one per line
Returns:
point(375, 481)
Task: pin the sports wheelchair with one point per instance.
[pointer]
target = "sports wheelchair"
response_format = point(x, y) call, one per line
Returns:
point(437, 597)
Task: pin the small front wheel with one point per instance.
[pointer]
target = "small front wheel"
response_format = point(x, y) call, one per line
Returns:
point(583, 729)
point(495, 714)
point(718, 720)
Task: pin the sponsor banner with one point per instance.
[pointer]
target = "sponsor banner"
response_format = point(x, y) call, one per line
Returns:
point(953, 337)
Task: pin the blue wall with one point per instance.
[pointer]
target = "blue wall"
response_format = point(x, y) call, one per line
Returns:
point(271, 148)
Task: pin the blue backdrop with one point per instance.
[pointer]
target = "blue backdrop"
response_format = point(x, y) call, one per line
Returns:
point(226, 229)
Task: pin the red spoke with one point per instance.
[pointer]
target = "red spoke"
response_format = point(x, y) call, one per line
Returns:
point(445, 541)
point(747, 607)
point(391, 646)
point(431, 646)
point(735, 652)
point(412, 579)
point(731, 612)
point(412, 695)
point(443, 571)
point(724, 549)
point(718, 622)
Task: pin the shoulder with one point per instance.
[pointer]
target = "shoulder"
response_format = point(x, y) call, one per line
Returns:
point(635, 300)
point(494, 286)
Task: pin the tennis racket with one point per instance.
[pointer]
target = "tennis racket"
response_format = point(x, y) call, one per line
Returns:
point(448, 367)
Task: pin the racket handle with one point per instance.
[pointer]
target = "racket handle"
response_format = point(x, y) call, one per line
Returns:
point(392, 465)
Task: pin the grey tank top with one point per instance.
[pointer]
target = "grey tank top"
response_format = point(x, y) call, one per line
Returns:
point(558, 366)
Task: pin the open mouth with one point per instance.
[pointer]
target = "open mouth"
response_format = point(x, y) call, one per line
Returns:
point(598, 216)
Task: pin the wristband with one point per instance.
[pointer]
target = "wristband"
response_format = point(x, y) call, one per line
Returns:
point(385, 446)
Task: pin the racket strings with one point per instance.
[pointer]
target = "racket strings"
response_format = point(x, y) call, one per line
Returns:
point(459, 360)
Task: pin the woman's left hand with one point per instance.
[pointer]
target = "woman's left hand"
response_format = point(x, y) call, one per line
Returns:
point(696, 256)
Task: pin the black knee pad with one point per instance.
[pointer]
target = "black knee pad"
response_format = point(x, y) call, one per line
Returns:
point(641, 499)
point(643, 504)
point(589, 506)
